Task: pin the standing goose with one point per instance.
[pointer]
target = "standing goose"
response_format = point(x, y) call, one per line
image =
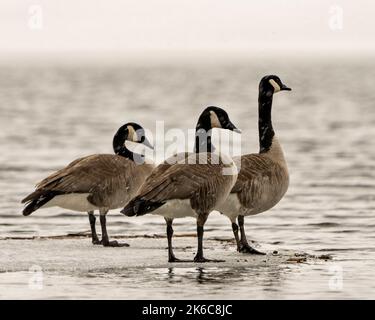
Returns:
point(99, 181)
point(189, 184)
point(263, 178)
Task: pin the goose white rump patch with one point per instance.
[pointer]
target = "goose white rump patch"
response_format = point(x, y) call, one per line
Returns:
point(231, 207)
point(176, 209)
point(72, 201)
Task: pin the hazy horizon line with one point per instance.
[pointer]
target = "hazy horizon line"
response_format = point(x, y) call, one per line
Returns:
point(170, 56)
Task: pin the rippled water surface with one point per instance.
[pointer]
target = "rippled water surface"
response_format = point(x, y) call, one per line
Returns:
point(52, 115)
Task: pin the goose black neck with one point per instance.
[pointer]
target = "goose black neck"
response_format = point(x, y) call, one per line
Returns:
point(121, 150)
point(266, 132)
point(126, 153)
point(203, 141)
point(203, 136)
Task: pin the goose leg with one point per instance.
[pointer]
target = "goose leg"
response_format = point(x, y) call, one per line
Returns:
point(105, 240)
point(235, 232)
point(202, 218)
point(94, 236)
point(244, 245)
point(171, 256)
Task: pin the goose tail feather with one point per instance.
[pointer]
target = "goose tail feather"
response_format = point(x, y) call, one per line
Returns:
point(140, 207)
point(36, 200)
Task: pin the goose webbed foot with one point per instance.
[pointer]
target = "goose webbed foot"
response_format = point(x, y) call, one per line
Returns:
point(96, 241)
point(113, 243)
point(105, 239)
point(201, 259)
point(199, 255)
point(246, 248)
point(243, 245)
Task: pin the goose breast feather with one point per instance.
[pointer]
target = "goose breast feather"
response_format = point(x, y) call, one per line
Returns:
point(261, 183)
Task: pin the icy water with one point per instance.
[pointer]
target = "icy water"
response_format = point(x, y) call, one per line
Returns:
point(50, 115)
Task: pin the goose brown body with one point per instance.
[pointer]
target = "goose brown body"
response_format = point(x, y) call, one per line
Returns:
point(96, 182)
point(261, 183)
point(107, 182)
point(189, 184)
point(263, 178)
point(197, 178)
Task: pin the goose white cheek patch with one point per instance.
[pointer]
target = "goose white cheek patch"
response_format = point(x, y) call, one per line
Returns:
point(132, 136)
point(215, 123)
point(274, 85)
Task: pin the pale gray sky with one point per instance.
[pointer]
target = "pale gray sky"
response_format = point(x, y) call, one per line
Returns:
point(135, 27)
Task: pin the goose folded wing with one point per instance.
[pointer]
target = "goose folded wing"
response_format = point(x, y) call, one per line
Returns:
point(168, 163)
point(58, 174)
point(254, 168)
point(93, 174)
point(180, 181)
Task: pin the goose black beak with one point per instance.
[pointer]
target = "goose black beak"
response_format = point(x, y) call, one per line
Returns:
point(148, 144)
point(285, 88)
point(232, 127)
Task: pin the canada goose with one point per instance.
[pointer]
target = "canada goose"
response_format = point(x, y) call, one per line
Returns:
point(263, 178)
point(99, 181)
point(189, 184)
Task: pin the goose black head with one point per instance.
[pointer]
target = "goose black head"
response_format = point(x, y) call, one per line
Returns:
point(129, 132)
point(272, 84)
point(215, 117)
